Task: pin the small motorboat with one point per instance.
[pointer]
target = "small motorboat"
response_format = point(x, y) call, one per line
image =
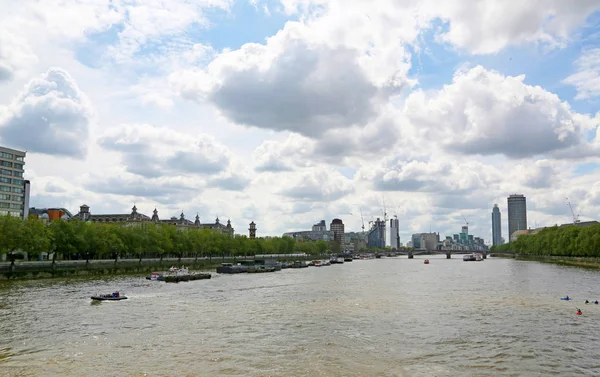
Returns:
point(115, 296)
point(426, 261)
point(156, 276)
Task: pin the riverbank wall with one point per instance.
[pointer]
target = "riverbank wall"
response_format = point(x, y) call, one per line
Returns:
point(65, 268)
point(593, 263)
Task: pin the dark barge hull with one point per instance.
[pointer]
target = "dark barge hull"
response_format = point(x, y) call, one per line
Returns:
point(100, 298)
point(177, 279)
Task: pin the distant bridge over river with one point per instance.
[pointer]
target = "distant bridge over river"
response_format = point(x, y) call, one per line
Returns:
point(448, 253)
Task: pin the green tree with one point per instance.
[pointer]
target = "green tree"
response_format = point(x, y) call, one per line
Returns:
point(63, 238)
point(335, 246)
point(35, 238)
point(11, 236)
point(321, 246)
point(113, 236)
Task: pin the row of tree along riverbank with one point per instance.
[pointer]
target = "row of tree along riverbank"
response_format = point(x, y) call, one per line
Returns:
point(569, 245)
point(77, 240)
point(64, 268)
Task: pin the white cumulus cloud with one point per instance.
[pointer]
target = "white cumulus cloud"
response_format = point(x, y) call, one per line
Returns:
point(484, 112)
point(51, 116)
point(586, 79)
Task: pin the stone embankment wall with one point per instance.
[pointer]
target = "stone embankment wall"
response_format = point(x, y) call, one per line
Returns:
point(49, 269)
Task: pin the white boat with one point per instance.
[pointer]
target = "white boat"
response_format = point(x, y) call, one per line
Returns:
point(155, 276)
point(174, 271)
point(476, 257)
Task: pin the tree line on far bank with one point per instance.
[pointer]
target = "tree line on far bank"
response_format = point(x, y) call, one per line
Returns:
point(568, 241)
point(75, 239)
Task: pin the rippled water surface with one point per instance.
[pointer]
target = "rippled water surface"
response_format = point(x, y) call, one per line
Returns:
point(382, 317)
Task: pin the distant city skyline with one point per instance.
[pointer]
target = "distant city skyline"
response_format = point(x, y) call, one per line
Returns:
point(404, 233)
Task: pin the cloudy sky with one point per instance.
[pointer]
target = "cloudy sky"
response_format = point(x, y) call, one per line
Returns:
point(285, 112)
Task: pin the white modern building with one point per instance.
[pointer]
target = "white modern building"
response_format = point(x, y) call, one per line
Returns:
point(14, 190)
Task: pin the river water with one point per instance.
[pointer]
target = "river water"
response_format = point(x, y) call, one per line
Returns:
point(381, 317)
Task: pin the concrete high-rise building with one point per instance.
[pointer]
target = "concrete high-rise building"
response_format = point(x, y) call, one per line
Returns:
point(376, 235)
point(517, 213)
point(320, 226)
point(394, 235)
point(14, 190)
point(496, 226)
point(426, 241)
point(337, 227)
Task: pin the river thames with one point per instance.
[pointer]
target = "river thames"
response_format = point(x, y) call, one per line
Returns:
point(380, 317)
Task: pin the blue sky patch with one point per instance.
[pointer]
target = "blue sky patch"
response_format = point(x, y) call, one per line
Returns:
point(244, 24)
point(91, 52)
point(347, 172)
point(437, 62)
point(586, 168)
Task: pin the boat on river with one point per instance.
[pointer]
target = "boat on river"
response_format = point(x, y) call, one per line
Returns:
point(175, 275)
point(115, 296)
point(299, 264)
point(230, 268)
point(268, 263)
point(259, 268)
point(156, 276)
point(473, 257)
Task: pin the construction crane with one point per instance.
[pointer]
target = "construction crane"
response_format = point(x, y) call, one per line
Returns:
point(466, 222)
point(575, 217)
point(384, 212)
point(362, 220)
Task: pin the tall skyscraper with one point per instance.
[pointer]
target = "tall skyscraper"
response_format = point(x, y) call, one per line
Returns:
point(376, 235)
point(14, 191)
point(394, 236)
point(337, 227)
point(517, 213)
point(496, 226)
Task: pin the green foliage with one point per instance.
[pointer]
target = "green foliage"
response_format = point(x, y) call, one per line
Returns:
point(11, 234)
point(36, 237)
point(568, 241)
point(82, 240)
